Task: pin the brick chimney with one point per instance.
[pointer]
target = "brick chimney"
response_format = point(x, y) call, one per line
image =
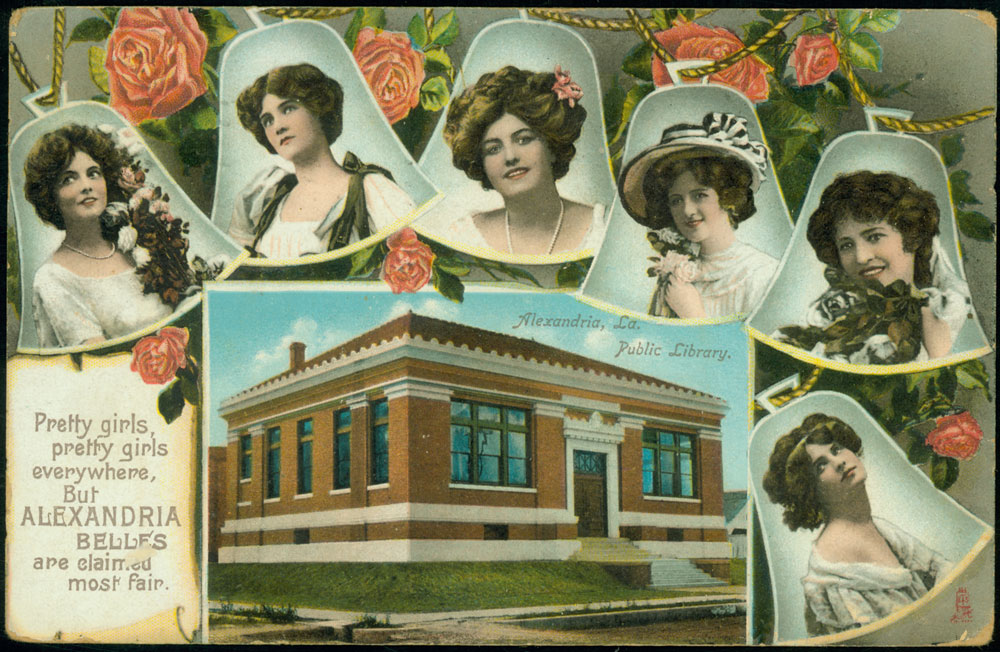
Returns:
point(296, 355)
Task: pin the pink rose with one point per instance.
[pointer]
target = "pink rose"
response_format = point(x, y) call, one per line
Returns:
point(131, 180)
point(565, 88)
point(407, 266)
point(158, 357)
point(154, 62)
point(956, 435)
point(691, 41)
point(393, 69)
point(681, 267)
point(814, 58)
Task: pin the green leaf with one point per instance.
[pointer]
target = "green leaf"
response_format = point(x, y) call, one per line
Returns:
point(754, 30)
point(848, 20)
point(364, 17)
point(417, 31)
point(414, 128)
point(205, 118)
point(952, 149)
point(960, 193)
point(972, 375)
point(863, 51)
point(451, 265)
point(90, 29)
point(437, 60)
point(110, 13)
point(197, 147)
point(103, 99)
point(917, 452)
point(434, 94)
point(811, 22)
point(880, 20)
point(947, 382)
point(976, 225)
point(95, 62)
point(632, 99)
point(445, 30)
point(571, 275)
point(189, 389)
point(158, 129)
point(216, 25)
point(614, 101)
point(449, 285)
point(772, 15)
point(364, 261)
point(944, 471)
point(638, 62)
point(171, 402)
point(782, 119)
point(663, 21)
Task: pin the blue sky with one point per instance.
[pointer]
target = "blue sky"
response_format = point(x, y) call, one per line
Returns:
point(249, 328)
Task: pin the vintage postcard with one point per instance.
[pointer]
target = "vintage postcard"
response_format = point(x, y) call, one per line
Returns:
point(522, 326)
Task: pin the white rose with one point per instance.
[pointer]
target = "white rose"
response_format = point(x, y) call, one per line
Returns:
point(141, 256)
point(127, 237)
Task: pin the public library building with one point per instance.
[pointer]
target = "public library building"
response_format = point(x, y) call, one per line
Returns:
point(425, 440)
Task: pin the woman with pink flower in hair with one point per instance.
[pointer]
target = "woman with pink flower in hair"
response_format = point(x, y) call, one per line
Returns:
point(79, 181)
point(692, 190)
point(297, 112)
point(514, 132)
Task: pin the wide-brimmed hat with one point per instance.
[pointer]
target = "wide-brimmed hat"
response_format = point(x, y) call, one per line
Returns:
point(723, 132)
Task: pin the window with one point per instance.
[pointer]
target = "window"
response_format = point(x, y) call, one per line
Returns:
point(300, 536)
point(342, 449)
point(272, 471)
point(380, 442)
point(246, 457)
point(305, 466)
point(489, 444)
point(667, 463)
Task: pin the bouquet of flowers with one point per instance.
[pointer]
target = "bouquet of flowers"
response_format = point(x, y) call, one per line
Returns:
point(862, 322)
point(674, 259)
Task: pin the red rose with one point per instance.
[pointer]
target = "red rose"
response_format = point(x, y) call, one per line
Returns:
point(154, 62)
point(814, 58)
point(393, 69)
point(692, 41)
point(407, 266)
point(158, 357)
point(956, 435)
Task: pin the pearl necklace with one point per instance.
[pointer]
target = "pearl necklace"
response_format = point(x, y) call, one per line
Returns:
point(555, 236)
point(114, 248)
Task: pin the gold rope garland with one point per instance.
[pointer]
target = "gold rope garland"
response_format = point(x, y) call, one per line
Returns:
point(310, 13)
point(604, 24)
point(22, 70)
point(646, 34)
point(803, 387)
point(429, 21)
point(58, 50)
point(744, 52)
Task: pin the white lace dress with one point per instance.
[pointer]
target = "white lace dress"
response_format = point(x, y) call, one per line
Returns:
point(386, 203)
point(842, 595)
point(70, 309)
point(464, 231)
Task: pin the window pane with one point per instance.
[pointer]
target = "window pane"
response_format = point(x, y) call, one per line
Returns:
point(667, 484)
point(683, 441)
point(460, 467)
point(647, 460)
point(305, 427)
point(517, 471)
point(461, 437)
point(686, 463)
point(489, 442)
point(649, 436)
point(516, 444)
point(343, 419)
point(666, 439)
point(273, 436)
point(381, 437)
point(488, 413)
point(666, 461)
point(461, 410)
point(381, 409)
point(687, 486)
point(489, 468)
point(245, 444)
point(647, 481)
point(516, 417)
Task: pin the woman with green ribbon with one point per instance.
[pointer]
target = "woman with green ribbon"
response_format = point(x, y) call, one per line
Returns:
point(297, 112)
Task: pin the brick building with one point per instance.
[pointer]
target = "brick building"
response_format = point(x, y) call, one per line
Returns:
point(425, 440)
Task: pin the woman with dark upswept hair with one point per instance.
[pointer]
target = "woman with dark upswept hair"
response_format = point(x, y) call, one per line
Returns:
point(88, 291)
point(514, 131)
point(297, 112)
point(862, 568)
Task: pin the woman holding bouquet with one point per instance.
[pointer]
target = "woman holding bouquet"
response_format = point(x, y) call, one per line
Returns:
point(78, 180)
point(692, 190)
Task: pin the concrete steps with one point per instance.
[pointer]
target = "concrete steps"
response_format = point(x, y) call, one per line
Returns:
point(679, 572)
point(610, 550)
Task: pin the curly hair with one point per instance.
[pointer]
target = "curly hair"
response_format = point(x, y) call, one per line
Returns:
point(870, 197)
point(53, 153)
point(526, 95)
point(790, 480)
point(305, 83)
point(728, 176)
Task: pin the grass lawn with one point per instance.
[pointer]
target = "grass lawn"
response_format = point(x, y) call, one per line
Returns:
point(737, 571)
point(420, 586)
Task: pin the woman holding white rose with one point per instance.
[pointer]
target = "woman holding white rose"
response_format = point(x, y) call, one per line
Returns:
point(691, 190)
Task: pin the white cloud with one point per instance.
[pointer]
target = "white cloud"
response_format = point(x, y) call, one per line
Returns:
point(305, 330)
point(599, 341)
point(440, 309)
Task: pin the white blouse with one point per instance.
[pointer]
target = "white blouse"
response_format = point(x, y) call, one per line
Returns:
point(386, 203)
point(70, 309)
point(464, 231)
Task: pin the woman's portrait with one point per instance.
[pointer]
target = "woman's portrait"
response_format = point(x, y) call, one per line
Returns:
point(691, 191)
point(514, 132)
point(81, 182)
point(296, 112)
point(892, 297)
point(861, 567)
